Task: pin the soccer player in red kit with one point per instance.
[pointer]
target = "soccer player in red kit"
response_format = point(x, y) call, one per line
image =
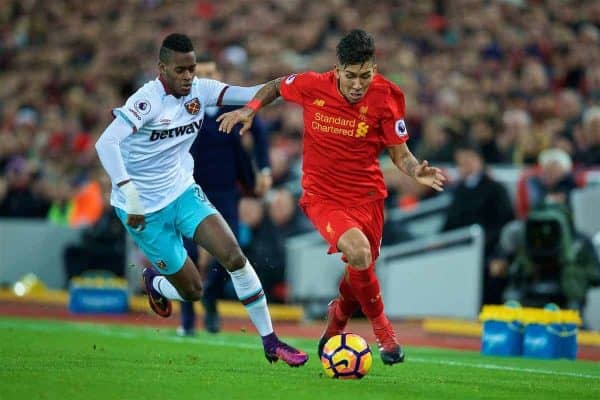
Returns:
point(350, 115)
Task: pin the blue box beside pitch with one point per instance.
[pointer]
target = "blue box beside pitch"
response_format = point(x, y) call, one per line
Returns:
point(550, 341)
point(98, 300)
point(547, 333)
point(502, 338)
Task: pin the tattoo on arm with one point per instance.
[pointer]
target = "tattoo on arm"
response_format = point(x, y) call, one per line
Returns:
point(269, 92)
point(409, 164)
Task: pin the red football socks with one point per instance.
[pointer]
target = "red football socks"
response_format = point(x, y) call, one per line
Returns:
point(347, 304)
point(365, 288)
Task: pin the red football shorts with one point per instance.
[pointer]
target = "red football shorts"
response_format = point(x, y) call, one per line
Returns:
point(332, 221)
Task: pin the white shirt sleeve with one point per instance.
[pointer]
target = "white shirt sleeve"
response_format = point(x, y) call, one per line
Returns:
point(210, 91)
point(140, 108)
point(239, 95)
point(109, 152)
point(216, 93)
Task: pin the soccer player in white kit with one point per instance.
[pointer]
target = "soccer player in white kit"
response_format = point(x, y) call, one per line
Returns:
point(145, 151)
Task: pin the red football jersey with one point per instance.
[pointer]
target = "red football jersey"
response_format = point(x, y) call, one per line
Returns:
point(342, 140)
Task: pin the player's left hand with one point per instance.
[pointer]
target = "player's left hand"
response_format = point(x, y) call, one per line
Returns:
point(430, 176)
point(244, 115)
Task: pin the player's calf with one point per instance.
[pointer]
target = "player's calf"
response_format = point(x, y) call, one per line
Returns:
point(191, 291)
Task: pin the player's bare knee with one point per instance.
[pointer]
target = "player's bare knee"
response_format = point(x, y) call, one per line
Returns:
point(192, 295)
point(235, 260)
point(364, 259)
point(192, 292)
point(359, 257)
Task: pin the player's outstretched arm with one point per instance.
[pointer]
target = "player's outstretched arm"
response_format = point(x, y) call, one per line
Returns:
point(245, 115)
point(421, 172)
point(109, 153)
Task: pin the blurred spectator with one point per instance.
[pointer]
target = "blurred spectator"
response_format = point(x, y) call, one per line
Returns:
point(20, 191)
point(435, 144)
point(394, 232)
point(517, 142)
point(269, 231)
point(284, 213)
point(553, 182)
point(264, 246)
point(102, 245)
point(569, 109)
point(482, 132)
point(80, 206)
point(589, 139)
point(478, 199)
point(280, 166)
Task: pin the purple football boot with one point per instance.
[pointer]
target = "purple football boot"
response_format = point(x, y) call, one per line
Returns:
point(275, 350)
point(158, 303)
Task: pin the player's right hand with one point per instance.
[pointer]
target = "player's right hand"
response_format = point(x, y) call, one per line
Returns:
point(430, 176)
point(133, 206)
point(137, 222)
point(244, 115)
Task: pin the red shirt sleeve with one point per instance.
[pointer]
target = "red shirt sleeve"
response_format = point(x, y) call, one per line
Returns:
point(392, 122)
point(294, 87)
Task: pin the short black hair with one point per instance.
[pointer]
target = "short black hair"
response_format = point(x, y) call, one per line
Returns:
point(175, 42)
point(357, 47)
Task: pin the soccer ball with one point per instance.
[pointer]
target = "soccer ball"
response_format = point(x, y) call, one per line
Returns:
point(346, 356)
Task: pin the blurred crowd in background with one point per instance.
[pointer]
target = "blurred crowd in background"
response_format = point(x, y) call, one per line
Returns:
point(511, 77)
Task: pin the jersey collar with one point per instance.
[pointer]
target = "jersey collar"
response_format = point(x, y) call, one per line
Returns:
point(164, 85)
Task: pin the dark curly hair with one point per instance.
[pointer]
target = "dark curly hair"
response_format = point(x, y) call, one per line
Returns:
point(357, 47)
point(175, 42)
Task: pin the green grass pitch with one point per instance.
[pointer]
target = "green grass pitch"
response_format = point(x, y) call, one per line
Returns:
point(65, 360)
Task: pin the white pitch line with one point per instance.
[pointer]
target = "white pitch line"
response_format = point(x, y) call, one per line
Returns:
point(502, 368)
point(149, 333)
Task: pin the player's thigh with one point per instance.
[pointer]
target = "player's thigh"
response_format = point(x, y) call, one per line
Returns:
point(198, 218)
point(371, 215)
point(363, 227)
point(191, 208)
point(214, 235)
point(331, 222)
point(160, 242)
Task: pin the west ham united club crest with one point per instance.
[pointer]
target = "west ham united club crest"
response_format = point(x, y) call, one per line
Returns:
point(161, 264)
point(193, 106)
